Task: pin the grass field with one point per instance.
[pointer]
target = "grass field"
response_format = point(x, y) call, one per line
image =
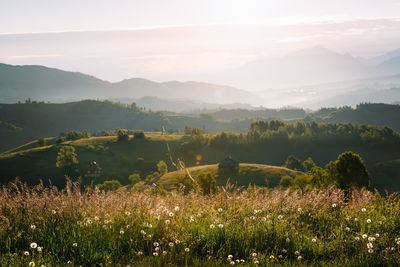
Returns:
point(45, 226)
point(255, 174)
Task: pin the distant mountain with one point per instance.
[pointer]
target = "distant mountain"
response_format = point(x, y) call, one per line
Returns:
point(18, 83)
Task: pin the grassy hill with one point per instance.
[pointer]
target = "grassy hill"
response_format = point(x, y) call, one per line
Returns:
point(248, 174)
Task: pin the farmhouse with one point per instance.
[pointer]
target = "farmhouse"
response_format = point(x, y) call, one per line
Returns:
point(229, 164)
point(93, 170)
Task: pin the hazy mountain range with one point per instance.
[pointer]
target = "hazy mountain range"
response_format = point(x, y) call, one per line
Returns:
point(309, 78)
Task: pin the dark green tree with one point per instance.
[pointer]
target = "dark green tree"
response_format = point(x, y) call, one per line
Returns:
point(134, 178)
point(294, 163)
point(348, 170)
point(109, 185)
point(122, 135)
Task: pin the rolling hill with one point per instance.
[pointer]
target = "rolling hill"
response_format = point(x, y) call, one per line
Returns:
point(256, 174)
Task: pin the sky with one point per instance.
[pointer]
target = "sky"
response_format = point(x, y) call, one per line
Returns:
point(186, 39)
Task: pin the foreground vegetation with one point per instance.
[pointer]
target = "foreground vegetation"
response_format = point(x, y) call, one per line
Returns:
point(247, 227)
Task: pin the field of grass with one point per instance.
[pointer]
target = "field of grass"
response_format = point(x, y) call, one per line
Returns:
point(44, 226)
point(255, 174)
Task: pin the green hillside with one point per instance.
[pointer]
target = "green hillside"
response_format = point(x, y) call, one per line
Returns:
point(248, 174)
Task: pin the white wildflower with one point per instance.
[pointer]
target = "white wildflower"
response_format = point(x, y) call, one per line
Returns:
point(33, 245)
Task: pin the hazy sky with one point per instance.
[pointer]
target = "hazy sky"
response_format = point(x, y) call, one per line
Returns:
point(187, 39)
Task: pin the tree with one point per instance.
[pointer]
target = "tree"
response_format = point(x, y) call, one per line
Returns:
point(308, 164)
point(122, 135)
point(134, 178)
point(348, 170)
point(41, 142)
point(138, 134)
point(294, 163)
point(207, 183)
point(162, 167)
point(109, 185)
point(66, 157)
point(301, 181)
point(286, 181)
point(319, 177)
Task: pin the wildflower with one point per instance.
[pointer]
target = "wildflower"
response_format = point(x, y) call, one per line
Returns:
point(53, 211)
point(42, 265)
point(167, 221)
point(357, 238)
point(140, 253)
point(347, 228)
point(242, 260)
point(221, 225)
point(230, 256)
point(177, 208)
point(363, 209)
point(155, 254)
point(143, 232)
point(121, 232)
point(264, 219)
point(272, 257)
point(254, 254)
point(296, 253)
point(280, 216)
point(192, 218)
point(299, 209)
point(364, 236)
point(156, 244)
point(164, 252)
point(177, 241)
point(369, 245)
point(314, 240)
point(33, 245)
point(347, 218)
point(371, 238)
point(212, 226)
point(69, 262)
point(171, 214)
point(284, 250)
point(256, 262)
point(171, 244)
point(280, 256)
point(187, 249)
point(252, 217)
point(237, 261)
point(368, 220)
point(398, 242)
point(370, 250)
point(148, 236)
point(220, 210)
point(33, 227)
point(127, 213)
point(232, 263)
point(377, 235)
point(299, 258)
point(356, 219)
point(157, 249)
point(39, 249)
point(334, 205)
point(26, 253)
point(32, 263)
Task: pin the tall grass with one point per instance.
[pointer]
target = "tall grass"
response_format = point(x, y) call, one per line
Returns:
point(234, 227)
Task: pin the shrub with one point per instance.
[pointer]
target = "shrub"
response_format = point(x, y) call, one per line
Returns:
point(138, 134)
point(109, 185)
point(286, 181)
point(122, 135)
point(207, 183)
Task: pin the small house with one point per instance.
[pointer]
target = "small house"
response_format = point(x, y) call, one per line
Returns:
point(229, 164)
point(93, 170)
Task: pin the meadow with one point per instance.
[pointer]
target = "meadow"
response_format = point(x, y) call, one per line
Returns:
point(45, 226)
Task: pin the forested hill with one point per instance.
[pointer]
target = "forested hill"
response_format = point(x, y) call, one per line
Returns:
point(20, 123)
point(371, 114)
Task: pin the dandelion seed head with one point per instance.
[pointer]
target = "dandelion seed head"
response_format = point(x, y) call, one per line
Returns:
point(212, 226)
point(32, 264)
point(33, 245)
point(171, 214)
point(167, 221)
point(156, 244)
point(363, 209)
point(368, 220)
point(187, 249)
point(370, 250)
point(26, 253)
point(254, 254)
point(39, 249)
point(33, 227)
point(220, 210)
point(221, 225)
point(171, 244)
